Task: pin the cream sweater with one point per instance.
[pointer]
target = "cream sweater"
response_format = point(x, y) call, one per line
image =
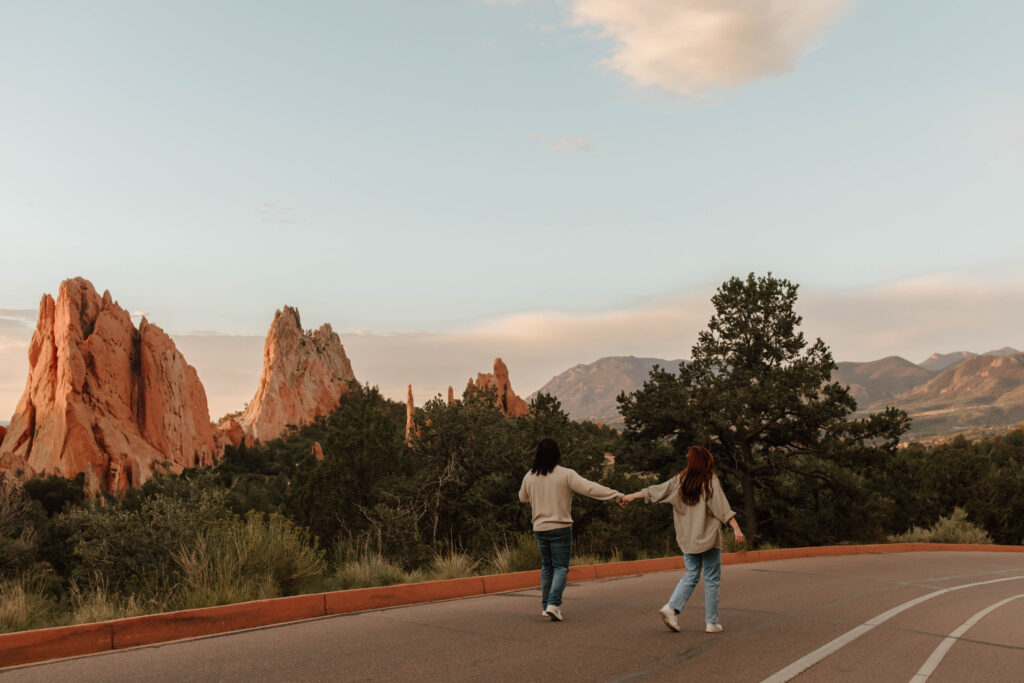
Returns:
point(698, 527)
point(550, 496)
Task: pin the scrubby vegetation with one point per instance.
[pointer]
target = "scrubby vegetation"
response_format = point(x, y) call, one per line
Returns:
point(274, 520)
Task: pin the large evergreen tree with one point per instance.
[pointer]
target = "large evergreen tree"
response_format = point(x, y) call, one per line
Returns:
point(759, 396)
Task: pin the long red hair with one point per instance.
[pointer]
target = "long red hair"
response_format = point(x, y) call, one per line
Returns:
point(695, 480)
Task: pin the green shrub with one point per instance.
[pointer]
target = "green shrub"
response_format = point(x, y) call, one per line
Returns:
point(25, 603)
point(952, 529)
point(523, 556)
point(452, 566)
point(18, 535)
point(236, 560)
point(368, 571)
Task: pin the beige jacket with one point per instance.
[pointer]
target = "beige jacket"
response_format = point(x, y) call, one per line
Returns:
point(550, 496)
point(698, 527)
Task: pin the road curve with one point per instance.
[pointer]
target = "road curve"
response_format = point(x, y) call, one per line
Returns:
point(910, 617)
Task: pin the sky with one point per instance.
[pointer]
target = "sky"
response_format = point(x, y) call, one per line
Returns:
point(546, 181)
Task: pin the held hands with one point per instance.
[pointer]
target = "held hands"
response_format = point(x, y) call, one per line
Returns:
point(624, 500)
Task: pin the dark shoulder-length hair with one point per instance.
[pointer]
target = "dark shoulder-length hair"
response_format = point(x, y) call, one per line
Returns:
point(695, 480)
point(546, 458)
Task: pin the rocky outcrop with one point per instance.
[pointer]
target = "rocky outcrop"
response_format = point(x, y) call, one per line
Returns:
point(510, 404)
point(451, 395)
point(410, 408)
point(317, 450)
point(304, 376)
point(230, 433)
point(3, 433)
point(105, 398)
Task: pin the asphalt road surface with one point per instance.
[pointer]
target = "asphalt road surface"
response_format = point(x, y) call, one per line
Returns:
point(911, 617)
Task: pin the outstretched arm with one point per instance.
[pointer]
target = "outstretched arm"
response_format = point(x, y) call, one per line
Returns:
point(591, 489)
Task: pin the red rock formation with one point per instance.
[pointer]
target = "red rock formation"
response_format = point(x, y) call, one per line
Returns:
point(451, 396)
point(510, 404)
point(317, 451)
point(229, 432)
point(104, 398)
point(410, 407)
point(304, 375)
point(3, 433)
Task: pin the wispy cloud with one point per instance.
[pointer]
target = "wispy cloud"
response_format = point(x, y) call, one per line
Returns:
point(690, 47)
point(578, 143)
point(276, 214)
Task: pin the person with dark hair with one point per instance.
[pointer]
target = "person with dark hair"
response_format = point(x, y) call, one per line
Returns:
point(548, 488)
point(699, 509)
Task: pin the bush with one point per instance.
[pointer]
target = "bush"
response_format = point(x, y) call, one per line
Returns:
point(127, 546)
point(368, 571)
point(952, 529)
point(523, 556)
point(25, 603)
point(235, 560)
point(18, 536)
point(452, 566)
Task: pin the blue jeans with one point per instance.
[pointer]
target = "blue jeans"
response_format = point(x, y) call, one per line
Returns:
point(711, 560)
point(555, 551)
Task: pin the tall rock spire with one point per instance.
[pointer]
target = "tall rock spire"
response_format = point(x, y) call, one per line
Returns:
point(304, 376)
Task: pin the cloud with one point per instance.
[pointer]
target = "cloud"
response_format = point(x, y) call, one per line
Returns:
point(275, 214)
point(140, 314)
point(690, 47)
point(579, 143)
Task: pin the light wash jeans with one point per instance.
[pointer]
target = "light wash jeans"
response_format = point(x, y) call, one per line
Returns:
point(555, 551)
point(711, 560)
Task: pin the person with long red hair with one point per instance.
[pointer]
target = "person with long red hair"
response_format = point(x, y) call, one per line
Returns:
point(699, 509)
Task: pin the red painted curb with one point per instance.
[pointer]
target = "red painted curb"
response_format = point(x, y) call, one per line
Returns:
point(158, 628)
point(68, 641)
point(52, 643)
point(360, 599)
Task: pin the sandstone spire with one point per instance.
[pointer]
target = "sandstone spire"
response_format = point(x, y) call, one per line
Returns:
point(105, 398)
point(510, 404)
point(410, 407)
point(304, 376)
point(451, 395)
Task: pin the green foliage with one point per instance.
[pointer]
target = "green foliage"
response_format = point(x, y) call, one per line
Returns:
point(234, 560)
point(523, 556)
point(761, 398)
point(127, 545)
point(55, 493)
point(20, 518)
point(954, 528)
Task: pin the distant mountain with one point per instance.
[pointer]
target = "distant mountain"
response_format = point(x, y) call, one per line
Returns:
point(880, 379)
point(940, 361)
point(985, 390)
point(1005, 351)
point(588, 391)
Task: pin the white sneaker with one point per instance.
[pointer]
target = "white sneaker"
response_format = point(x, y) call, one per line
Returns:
point(713, 628)
point(668, 615)
point(554, 612)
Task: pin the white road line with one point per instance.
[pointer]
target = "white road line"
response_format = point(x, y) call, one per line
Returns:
point(930, 664)
point(809, 660)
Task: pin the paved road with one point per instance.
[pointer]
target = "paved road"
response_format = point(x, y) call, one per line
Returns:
point(877, 618)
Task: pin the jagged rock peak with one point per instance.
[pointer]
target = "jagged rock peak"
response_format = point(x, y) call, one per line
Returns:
point(104, 398)
point(410, 408)
point(304, 375)
point(510, 404)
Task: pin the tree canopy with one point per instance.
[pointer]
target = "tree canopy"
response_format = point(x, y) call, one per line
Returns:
point(761, 398)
